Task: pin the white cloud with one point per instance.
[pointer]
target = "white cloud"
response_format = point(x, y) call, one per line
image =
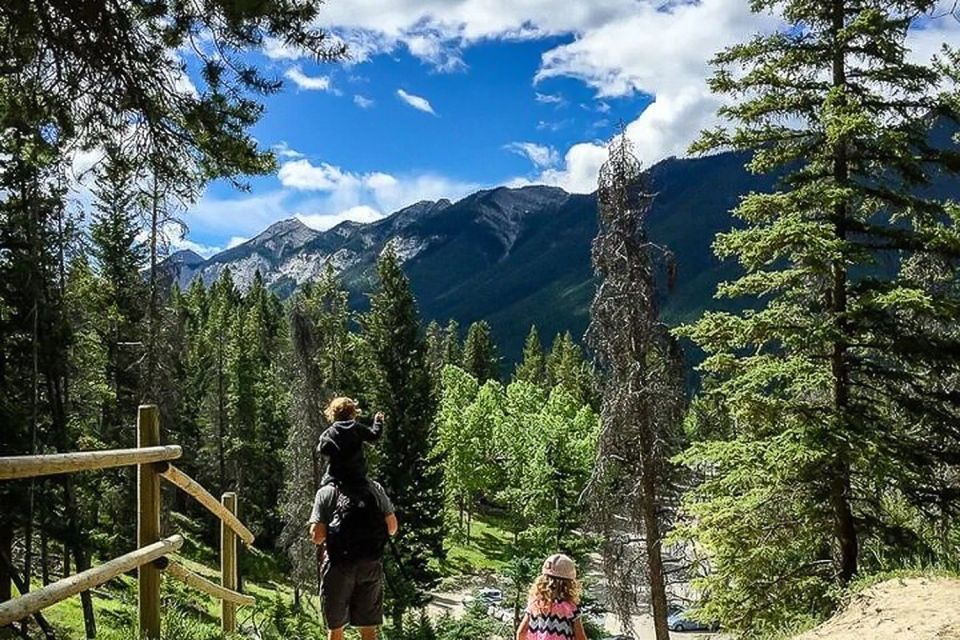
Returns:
point(278, 50)
point(435, 51)
point(417, 102)
point(324, 221)
point(581, 165)
point(338, 189)
point(305, 176)
point(549, 98)
point(283, 150)
point(308, 83)
point(362, 101)
point(235, 241)
point(540, 155)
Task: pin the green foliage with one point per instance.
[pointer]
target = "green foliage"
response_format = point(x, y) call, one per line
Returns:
point(521, 446)
point(566, 367)
point(824, 396)
point(532, 367)
point(480, 355)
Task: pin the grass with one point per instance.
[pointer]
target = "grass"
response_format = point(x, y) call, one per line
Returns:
point(486, 552)
point(188, 613)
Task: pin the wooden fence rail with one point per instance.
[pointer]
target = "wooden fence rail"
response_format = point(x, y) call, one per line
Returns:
point(17, 467)
point(193, 488)
point(26, 605)
point(198, 582)
point(153, 463)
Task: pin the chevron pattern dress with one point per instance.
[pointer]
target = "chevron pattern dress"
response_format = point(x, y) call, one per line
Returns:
point(552, 623)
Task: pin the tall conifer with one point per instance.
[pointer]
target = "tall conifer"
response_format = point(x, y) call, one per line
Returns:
point(833, 379)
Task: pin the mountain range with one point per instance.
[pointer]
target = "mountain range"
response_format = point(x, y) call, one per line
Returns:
point(511, 256)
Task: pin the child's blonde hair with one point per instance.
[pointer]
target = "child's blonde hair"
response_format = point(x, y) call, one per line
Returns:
point(546, 590)
point(341, 409)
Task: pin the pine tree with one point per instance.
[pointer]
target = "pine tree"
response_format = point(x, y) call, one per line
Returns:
point(411, 474)
point(532, 368)
point(452, 349)
point(120, 259)
point(566, 367)
point(643, 398)
point(480, 356)
point(436, 341)
point(833, 378)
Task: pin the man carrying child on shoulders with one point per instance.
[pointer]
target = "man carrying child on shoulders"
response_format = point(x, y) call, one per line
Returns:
point(353, 517)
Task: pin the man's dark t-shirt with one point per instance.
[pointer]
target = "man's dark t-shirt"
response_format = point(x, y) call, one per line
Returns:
point(342, 444)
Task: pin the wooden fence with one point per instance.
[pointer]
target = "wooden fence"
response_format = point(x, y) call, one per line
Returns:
point(150, 559)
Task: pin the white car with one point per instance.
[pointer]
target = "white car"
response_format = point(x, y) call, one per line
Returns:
point(490, 595)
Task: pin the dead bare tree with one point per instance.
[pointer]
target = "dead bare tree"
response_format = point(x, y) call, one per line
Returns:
point(632, 491)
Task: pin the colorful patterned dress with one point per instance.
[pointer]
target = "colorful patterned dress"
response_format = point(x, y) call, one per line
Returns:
point(554, 622)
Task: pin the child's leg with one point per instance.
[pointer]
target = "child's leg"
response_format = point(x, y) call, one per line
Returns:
point(336, 634)
point(368, 633)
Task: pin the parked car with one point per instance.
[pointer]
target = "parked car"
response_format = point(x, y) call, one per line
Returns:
point(490, 595)
point(680, 621)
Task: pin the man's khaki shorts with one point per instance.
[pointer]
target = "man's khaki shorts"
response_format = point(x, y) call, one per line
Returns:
point(352, 592)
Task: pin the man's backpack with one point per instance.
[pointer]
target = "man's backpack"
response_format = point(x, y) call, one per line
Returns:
point(357, 530)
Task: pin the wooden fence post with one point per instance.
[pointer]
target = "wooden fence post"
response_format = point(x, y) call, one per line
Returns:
point(228, 565)
point(148, 523)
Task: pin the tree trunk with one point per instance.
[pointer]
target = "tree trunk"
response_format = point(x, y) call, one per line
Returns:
point(154, 311)
point(44, 554)
point(6, 566)
point(845, 533)
point(651, 525)
point(6, 551)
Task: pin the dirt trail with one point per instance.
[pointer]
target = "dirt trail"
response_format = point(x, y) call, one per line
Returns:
point(902, 609)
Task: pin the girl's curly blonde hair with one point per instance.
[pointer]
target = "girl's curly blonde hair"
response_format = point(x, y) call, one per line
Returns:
point(341, 409)
point(546, 590)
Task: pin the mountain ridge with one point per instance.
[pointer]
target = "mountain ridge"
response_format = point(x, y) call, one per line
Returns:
point(513, 256)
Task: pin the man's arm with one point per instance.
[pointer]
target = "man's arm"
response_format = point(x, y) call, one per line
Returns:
point(392, 525)
point(318, 532)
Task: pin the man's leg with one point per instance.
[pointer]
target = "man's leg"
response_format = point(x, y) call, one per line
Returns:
point(367, 633)
point(336, 634)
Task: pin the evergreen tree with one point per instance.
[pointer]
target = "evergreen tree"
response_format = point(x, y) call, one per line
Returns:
point(452, 349)
point(533, 367)
point(408, 468)
point(832, 380)
point(436, 341)
point(120, 259)
point(480, 356)
point(643, 398)
point(566, 367)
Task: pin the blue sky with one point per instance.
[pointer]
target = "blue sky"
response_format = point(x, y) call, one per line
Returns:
point(443, 97)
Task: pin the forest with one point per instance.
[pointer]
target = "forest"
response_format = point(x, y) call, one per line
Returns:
point(813, 449)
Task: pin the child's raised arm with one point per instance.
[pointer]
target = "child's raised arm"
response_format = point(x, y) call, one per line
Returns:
point(373, 432)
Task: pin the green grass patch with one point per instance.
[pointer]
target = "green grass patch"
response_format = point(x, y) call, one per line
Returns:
point(485, 552)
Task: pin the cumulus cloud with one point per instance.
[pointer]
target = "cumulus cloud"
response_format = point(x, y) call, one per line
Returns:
point(540, 155)
point(308, 83)
point(324, 221)
point(235, 241)
point(339, 189)
point(417, 102)
point(362, 101)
